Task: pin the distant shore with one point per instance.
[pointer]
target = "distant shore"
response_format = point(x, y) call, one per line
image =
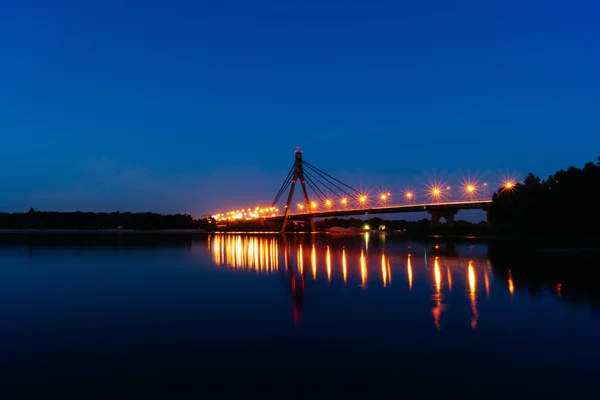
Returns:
point(102, 231)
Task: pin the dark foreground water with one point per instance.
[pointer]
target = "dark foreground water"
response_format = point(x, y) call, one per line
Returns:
point(182, 316)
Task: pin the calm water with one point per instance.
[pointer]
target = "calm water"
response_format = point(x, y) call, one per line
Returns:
point(173, 316)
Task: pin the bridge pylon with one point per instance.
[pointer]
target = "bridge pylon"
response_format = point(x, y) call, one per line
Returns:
point(298, 174)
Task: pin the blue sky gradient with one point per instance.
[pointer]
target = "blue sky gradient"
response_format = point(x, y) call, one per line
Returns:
point(188, 106)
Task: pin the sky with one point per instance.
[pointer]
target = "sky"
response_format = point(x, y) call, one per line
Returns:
point(197, 107)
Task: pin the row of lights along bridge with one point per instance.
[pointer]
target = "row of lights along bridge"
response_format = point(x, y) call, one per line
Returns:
point(469, 192)
point(434, 193)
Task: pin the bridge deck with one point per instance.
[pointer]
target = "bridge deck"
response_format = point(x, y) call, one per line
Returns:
point(452, 205)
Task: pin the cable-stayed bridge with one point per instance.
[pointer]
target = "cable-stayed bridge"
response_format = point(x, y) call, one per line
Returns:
point(323, 195)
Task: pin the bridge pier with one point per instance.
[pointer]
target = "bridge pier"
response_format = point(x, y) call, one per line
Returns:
point(448, 215)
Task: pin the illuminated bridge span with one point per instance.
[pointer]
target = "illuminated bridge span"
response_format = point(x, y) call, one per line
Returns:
point(325, 196)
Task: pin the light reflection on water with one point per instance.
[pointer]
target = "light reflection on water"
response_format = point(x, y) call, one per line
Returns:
point(132, 312)
point(358, 266)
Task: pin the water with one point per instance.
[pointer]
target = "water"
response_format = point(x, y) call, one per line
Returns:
point(168, 316)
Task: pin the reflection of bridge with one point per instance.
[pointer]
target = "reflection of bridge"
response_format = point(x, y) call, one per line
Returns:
point(296, 261)
point(325, 196)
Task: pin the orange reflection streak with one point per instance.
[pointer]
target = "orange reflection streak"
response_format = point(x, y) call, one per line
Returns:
point(273, 255)
point(216, 254)
point(449, 281)
point(437, 275)
point(437, 297)
point(487, 283)
point(383, 270)
point(389, 272)
point(344, 265)
point(313, 261)
point(473, 295)
point(300, 259)
point(410, 275)
point(276, 254)
point(260, 255)
point(559, 289)
point(511, 286)
point(247, 253)
point(328, 263)
point(267, 265)
point(363, 267)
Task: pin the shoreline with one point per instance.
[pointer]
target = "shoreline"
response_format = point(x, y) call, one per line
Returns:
point(101, 231)
point(404, 235)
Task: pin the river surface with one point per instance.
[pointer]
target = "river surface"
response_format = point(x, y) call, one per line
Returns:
point(171, 316)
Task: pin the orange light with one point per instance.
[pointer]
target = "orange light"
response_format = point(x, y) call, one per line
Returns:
point(436, 192)
point(409, 195)
point(470, 188)
point(509, 185)
point(313, 205)
point(362, 199)
point(300, 206)
point(344, 201)
point(384, 197)
point(328, 203)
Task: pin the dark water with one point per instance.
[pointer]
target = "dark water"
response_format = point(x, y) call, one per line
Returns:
point(178, 316)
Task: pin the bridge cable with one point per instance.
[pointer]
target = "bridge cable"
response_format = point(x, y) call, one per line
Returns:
point(315, 188)
point(339, 188)
point(310, 168)
point(327, 187)
point(325, 173)
point(288, 178)
point(282, 193)
point(309, 179)
point(310, 184)
point(285, 184)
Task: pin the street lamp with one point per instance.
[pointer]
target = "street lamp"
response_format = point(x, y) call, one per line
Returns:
point(362, 199)
point(436, 193)
point(384, 197)
point(508, 185)
point(470, 189)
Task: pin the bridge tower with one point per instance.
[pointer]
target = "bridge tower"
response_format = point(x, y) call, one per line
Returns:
point(298, 174)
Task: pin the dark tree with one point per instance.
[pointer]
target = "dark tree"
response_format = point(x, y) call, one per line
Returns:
point(564, 203)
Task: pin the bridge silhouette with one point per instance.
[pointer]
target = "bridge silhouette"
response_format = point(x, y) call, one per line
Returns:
point(326, 196)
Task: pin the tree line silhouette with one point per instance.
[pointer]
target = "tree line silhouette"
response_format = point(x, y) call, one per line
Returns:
point(567, 202)
point(94, 221)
